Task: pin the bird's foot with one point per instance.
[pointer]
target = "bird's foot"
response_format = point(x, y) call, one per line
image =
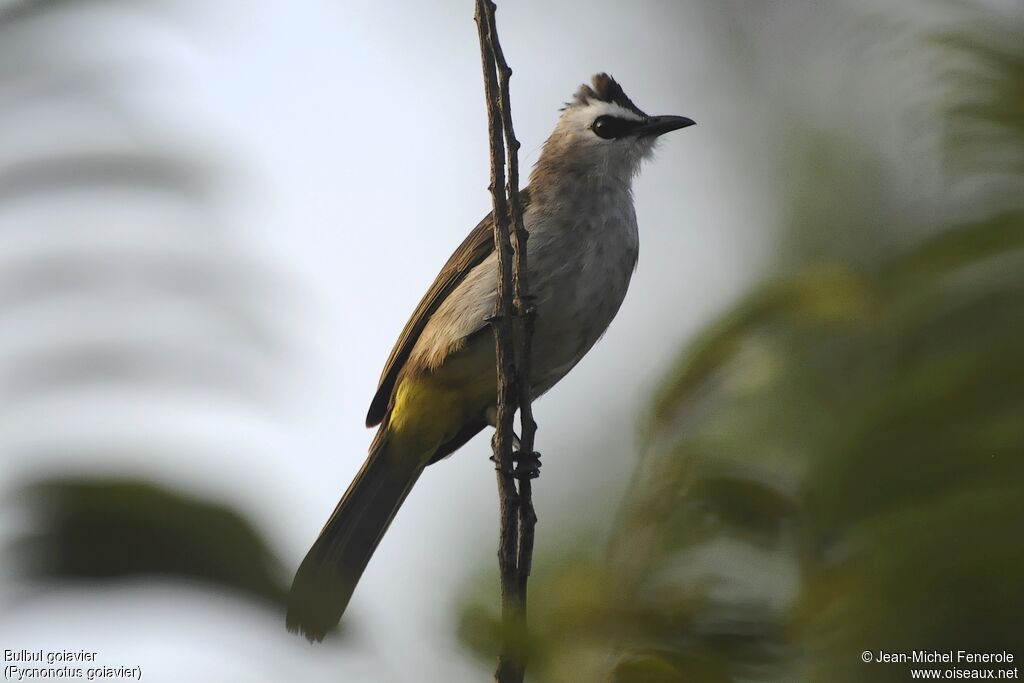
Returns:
point(526, 307)
point(527, 465)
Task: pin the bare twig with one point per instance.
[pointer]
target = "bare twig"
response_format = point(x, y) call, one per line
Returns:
point(513, 327)
point(524, 317)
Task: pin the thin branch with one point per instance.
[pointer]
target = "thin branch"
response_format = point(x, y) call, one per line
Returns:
point(524, 318)
point(513, 326)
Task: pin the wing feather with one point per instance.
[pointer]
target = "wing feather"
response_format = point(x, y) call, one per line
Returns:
point(473, 250)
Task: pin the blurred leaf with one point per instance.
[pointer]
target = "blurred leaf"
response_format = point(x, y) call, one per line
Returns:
point(986, 100)
point(107, 530)
point(830, 295)
point(124, 171)
point(666, 667)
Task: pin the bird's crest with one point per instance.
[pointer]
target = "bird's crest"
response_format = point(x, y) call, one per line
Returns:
point(604, 88)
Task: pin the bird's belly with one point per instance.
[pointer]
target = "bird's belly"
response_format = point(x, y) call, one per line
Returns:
point(575, 304)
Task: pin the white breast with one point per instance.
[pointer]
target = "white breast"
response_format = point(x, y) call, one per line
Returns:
point(581, 262)
point(582, 253)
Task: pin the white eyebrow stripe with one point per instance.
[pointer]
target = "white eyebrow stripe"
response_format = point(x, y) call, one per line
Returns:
point(598, 108)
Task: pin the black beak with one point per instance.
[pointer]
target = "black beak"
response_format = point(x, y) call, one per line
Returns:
point(659, 125)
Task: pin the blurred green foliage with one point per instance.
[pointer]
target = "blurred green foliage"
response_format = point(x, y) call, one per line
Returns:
point(986, 95)
point(836, 464)
point(115, 530)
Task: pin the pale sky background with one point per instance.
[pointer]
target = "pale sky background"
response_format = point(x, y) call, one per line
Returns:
point(347, 147)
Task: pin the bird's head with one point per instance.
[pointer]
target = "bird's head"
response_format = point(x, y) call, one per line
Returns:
point(602, 131)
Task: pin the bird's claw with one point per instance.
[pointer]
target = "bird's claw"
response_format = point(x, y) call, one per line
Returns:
point(526, 307)
point(527, 466)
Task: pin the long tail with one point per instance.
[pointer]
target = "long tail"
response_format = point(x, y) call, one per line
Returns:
point(328, 575)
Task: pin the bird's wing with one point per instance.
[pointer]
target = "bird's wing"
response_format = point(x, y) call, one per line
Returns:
point(473, 250)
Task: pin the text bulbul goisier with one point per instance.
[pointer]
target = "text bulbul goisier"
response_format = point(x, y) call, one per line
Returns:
point(49, 656)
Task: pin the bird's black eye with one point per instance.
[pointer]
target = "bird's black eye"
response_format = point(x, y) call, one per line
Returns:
point(610, 127)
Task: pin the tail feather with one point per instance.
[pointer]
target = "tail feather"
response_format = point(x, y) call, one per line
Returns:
point(328, 575)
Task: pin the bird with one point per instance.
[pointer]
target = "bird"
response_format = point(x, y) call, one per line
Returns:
point(438, 388)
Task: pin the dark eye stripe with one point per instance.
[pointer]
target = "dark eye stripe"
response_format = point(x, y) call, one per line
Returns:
point(610, 127)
